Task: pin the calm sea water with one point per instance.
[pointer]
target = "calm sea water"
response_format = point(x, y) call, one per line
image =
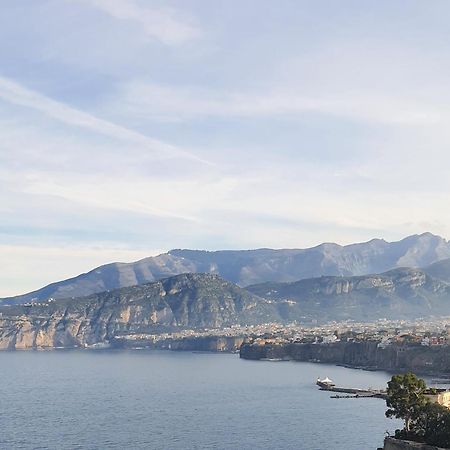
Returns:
point(170, 400)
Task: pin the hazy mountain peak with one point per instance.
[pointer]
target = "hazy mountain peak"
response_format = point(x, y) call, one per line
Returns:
point(245, 267)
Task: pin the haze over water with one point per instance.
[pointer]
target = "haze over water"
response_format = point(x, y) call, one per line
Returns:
point(168, 400)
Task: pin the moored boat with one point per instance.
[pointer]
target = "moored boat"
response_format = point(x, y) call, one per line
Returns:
point(325, 383)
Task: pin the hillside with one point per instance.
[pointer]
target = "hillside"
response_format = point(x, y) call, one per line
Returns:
point(398, 294)
point(198, 301)
point(439, 270)
point(246, 267)
point(183, 301)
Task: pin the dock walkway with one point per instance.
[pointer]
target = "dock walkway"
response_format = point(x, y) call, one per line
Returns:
point(357, 393)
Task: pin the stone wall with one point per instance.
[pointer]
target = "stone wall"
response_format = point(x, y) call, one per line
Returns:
point(396, 444)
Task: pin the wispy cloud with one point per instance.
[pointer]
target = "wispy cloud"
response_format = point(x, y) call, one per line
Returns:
point(310, 119)
point(19, 95)
point(159, 102)
point(161, 24)
point(118, 195)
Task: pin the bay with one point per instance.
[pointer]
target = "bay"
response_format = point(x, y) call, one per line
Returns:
point(181, 400)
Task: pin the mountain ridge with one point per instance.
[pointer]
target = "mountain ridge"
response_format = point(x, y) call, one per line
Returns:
point(198, 301)
point(192, 301)
point(248, 267)
point(396, 294)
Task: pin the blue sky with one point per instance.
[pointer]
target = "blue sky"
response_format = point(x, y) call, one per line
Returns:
point(130, 127)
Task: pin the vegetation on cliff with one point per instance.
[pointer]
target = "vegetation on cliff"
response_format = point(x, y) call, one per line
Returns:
point(405, 398)
point(424, 421)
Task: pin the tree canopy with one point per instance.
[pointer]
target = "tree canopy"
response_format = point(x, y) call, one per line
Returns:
point(424, 421)
point(405, 397)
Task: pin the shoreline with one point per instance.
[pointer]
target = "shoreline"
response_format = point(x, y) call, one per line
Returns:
point(442, 376)
point(366, 356)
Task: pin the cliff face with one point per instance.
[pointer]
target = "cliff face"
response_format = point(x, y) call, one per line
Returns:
point(209, 344)
point(399, 293)
point(198, 343)
point(357, 354)
point(245, 267)
point(184, 301)
point(349, 353)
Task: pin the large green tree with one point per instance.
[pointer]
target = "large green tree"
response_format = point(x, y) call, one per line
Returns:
point(433, 425)
point(406, 398)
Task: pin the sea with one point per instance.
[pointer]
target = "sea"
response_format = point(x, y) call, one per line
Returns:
point(86, 399)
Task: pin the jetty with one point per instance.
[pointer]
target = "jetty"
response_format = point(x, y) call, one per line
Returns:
point(327, 385)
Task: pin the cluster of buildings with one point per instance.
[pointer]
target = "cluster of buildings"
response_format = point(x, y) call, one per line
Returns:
point(430, 332)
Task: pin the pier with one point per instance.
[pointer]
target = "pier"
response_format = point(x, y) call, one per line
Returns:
point(357, 393)
point(328, 385)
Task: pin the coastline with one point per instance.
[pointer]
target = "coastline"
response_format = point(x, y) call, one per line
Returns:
point(367, 356)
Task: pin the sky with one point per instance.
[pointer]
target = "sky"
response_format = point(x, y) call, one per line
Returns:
point(131, 127)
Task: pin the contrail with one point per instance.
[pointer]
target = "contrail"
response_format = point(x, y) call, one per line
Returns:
point(19, 95)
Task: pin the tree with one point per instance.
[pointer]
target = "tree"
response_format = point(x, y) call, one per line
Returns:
point(406, 398)
point(433, 425)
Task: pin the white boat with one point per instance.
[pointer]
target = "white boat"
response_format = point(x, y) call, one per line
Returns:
point(325, 383)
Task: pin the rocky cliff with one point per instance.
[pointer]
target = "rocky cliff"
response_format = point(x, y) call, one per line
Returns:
point(399, 293)
point(183, 301)
point(197, 343)
point(207, 301)
point(246, 267)
point(357, 354)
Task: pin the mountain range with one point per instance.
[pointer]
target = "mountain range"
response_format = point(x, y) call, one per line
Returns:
point(183, 301)
point(403, 293)
point(199, 301)
point(117, 299)
point(247, 267)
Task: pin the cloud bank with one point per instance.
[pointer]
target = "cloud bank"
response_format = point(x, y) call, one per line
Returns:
point(131, 128)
